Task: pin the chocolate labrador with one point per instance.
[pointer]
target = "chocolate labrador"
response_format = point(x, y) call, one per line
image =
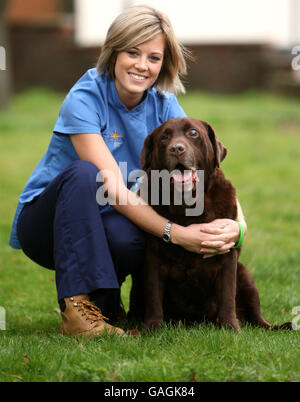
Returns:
point(180, 285)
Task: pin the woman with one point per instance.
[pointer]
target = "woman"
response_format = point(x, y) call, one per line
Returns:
point(103, 121)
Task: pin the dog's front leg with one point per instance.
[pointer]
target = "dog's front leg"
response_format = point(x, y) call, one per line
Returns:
point(226, 292)
point(154, 292)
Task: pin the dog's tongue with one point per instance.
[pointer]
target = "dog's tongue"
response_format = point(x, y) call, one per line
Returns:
point(181, 177)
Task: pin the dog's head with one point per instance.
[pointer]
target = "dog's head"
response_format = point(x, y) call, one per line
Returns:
point(183, 145)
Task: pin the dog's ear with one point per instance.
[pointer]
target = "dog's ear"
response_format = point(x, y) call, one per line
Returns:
point(219, 149)
point(146, 155)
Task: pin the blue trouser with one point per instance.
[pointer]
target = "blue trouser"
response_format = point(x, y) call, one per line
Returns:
point(90, 249)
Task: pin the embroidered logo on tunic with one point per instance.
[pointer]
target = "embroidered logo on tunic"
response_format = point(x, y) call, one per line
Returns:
point(116, 138)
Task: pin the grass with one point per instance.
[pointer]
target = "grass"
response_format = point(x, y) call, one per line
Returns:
point(262, 133)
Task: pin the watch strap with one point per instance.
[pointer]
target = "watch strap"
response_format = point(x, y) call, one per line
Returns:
point(166, 234)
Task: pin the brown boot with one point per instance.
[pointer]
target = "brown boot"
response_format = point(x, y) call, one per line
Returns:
point(84, 318)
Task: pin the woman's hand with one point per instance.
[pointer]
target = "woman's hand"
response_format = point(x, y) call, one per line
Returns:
point(209, 239)
point(229, 233)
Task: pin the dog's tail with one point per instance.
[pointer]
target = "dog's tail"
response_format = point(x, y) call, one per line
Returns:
point(288, 326)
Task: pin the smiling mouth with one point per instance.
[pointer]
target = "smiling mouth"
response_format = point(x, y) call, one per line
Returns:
point(182, 174)
point(137, 77)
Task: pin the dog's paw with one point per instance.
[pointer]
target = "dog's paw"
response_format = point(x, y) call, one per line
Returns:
point(229, 323)
point(152, 324)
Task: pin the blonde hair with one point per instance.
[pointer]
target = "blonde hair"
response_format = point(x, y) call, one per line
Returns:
point(139, 24)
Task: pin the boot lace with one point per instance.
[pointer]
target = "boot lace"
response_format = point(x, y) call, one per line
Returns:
point(92, 312)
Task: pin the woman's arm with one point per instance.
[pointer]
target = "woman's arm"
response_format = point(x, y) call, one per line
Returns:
point(91, 147)
point(240, 216)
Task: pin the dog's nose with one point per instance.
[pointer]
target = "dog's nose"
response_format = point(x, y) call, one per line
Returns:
point(177, 149)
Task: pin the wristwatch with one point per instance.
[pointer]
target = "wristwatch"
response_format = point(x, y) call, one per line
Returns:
point(166, 234)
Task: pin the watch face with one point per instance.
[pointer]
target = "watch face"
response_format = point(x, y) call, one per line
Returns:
point(166, 237)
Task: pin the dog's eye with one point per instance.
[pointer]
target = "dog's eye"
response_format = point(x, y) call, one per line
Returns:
point(193, 132)
point(164, 136)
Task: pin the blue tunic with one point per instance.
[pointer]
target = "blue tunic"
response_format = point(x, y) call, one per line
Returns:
point(93, 106)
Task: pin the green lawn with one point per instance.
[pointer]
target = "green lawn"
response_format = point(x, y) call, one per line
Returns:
point(262, 133)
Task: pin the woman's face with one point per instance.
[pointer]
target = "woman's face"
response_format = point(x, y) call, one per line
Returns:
point(137, 69)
